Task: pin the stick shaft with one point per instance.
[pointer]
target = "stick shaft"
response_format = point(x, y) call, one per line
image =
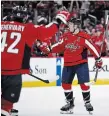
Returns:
point(107, 18)
point(45, 81)
point(96, 74)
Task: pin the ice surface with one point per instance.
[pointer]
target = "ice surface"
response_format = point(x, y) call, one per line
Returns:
point(47, 101)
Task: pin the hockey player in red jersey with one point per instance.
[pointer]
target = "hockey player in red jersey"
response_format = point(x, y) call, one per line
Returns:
point(16, 41)
point(75, 44)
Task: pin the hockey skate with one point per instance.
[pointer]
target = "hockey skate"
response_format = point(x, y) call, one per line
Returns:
point(68, 108)
point(89, 107)
point(14, 112)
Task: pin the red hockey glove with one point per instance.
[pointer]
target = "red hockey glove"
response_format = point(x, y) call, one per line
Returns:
point(62, 16)
point(43, 47)
point(98, 63)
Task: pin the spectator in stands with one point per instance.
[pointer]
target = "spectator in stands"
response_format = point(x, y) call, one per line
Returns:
point(100, 40)
point(102, 21)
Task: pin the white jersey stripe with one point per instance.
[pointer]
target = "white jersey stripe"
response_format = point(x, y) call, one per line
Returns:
point(57, 44)
point(92, 47)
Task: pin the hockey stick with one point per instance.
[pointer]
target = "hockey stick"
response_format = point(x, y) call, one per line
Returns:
point(96, 74)
point(95, 79)
point(43, 80)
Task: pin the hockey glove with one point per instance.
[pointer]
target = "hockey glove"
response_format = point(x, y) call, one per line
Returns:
point(62, 17)
point(43, 47)
point(98, 63)
point(58, 22)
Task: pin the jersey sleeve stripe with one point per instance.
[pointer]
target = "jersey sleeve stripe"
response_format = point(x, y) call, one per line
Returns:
point(92, 47)
point(57, 44)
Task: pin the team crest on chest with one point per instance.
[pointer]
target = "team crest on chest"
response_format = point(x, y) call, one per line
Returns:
point(72, 46)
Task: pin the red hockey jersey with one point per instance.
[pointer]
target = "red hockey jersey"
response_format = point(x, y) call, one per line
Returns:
point(98, 40)
point(16, 40)
point(75, 48)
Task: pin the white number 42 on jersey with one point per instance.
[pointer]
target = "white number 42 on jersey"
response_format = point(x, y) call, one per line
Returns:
point(11, 49)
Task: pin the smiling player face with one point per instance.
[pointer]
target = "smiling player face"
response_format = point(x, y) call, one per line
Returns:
point(72, 27)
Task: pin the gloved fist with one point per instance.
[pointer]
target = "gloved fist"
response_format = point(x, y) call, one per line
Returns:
point(44, 48)
point(98, 63)
point(62, 17)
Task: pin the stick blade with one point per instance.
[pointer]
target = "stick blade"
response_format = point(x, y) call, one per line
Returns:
point(54, 78)
point(90, 83)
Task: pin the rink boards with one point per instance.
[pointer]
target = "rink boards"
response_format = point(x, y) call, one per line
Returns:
point(48, 68)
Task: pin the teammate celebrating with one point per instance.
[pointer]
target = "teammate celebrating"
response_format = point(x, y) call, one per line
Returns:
point(16, 41)
point(75, 44)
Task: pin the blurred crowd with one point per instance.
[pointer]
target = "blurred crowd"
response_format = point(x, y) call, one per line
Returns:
point(91, 13)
